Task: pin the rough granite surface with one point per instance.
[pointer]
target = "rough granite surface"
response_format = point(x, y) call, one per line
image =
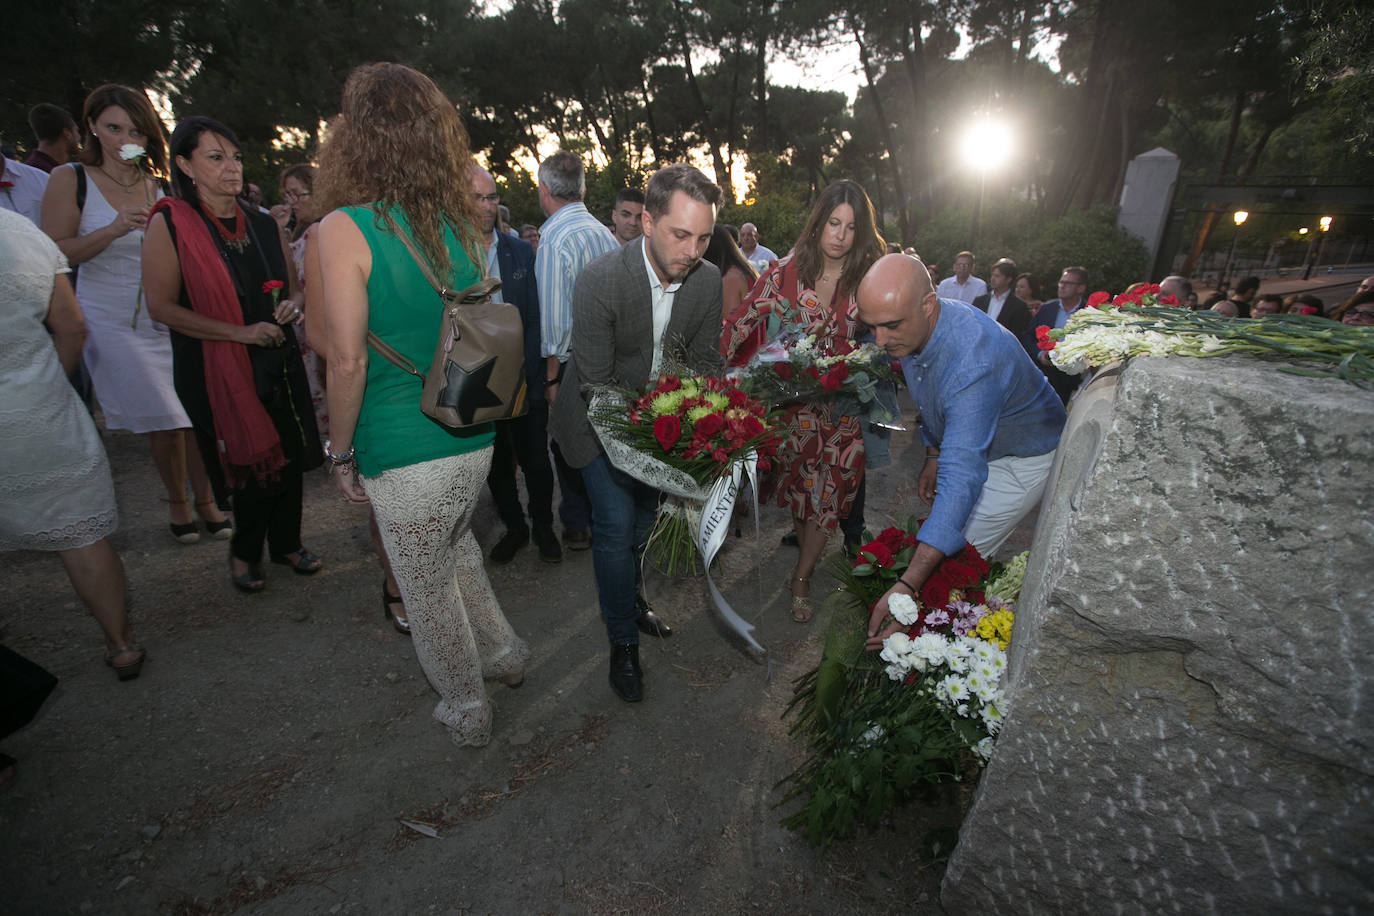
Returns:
point(1190, 726)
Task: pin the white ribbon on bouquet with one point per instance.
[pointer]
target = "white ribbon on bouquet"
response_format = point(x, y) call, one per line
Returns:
point(709, 508)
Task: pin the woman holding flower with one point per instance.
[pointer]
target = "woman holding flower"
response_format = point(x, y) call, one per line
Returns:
point(218, 276)
point(97, 211)
point(813, 288)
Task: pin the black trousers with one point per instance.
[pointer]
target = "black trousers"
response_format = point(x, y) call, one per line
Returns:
point(523, 442)
point(268, 512)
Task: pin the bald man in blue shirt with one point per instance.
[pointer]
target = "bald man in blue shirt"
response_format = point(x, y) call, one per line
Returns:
point(990, 421)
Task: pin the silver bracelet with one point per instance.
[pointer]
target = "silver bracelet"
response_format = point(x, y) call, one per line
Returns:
point(338, 460)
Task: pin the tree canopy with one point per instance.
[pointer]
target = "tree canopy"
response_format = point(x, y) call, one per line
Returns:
point(1239, 90)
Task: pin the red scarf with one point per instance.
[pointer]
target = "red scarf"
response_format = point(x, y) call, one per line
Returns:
point(248, 442)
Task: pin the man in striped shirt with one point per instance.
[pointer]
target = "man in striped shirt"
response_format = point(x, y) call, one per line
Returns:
point(569, 239)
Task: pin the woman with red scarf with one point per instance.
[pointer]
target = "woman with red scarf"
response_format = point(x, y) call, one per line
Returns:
point(217, 275)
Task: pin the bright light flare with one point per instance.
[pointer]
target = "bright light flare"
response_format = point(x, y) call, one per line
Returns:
point(1240, 216)
point(986, 145)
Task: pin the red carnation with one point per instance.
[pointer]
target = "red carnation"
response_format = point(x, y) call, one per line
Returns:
point(720, 455)
point(877, 553)
point(1167, 300)
point(784, 370)
point(960, 576)
point(811, 371)
point(668, 383)
point(272, 286)
point(1097, 298)
point(667, 430)
point(935, 591)
point(736, 397)
point(972, 558)
point(892, 539)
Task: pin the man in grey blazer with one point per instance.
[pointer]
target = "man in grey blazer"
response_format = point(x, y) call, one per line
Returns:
point(654, 298)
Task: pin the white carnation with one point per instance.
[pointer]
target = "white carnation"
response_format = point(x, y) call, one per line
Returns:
point(903, 608)
point(131, 151)
point(897, 650)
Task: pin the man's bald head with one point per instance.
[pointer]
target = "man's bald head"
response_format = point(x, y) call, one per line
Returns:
point(896, 299)
point(488, 201)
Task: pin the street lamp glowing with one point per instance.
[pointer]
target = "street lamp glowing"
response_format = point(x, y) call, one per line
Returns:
point(1240, 216)
point(1326, 223)
point(1302, 231)
point(986, 145)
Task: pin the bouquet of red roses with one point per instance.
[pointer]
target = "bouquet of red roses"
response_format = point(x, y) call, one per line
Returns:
point(798, 366)
point(686, 436)
point(694, 438)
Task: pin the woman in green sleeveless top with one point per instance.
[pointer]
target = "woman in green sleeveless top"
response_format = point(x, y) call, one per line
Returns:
point(422, 478)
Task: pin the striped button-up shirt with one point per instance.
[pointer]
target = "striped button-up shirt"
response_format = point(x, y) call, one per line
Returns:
point(568, 241)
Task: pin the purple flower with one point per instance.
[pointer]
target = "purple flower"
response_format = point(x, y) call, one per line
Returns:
point(937, 619)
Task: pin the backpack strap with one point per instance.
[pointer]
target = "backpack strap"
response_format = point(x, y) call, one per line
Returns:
point(80, 186)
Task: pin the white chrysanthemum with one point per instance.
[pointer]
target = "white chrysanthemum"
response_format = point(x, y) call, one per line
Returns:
point(896, 672)
point(903, 608)
point(992, 716)
point(874, 734)
point(804, 345)
point(952, 690)
point(984, 748)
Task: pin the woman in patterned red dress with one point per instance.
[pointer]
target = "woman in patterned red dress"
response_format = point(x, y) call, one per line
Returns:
point(823, 457)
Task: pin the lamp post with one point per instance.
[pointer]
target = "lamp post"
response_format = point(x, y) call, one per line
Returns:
point(1325, 223)
point(1321, 246)
point(1240, 216)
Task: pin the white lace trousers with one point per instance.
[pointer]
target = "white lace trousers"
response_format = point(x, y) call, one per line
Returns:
point(425, 515)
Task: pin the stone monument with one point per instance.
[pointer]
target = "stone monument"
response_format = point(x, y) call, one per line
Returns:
point(1190, 713)
point(1147, 196)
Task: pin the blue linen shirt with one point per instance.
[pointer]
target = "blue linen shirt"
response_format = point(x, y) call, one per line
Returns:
point(981, 398)
point(568, 241)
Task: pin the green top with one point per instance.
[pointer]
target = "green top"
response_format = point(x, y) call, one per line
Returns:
point(403, 310)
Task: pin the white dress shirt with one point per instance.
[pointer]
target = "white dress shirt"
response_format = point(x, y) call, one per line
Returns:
point(995, 303)
point(951, 288)
point(662, 299)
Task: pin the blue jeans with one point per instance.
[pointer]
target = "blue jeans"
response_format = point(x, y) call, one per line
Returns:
point(623, 511)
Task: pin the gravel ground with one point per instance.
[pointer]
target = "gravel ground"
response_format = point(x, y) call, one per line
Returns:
point(265, 760)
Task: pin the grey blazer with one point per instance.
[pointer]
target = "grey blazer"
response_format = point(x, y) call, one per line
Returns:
point(612, 339)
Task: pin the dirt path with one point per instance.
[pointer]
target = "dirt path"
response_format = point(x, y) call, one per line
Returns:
point(264, 760)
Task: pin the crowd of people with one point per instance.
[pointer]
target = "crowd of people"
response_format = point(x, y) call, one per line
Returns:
point(237, 338)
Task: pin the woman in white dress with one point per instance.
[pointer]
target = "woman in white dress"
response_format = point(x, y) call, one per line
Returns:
point(56, 492)
point(128, 355)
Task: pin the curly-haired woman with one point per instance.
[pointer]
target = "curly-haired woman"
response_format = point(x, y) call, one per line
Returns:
point(397, 162)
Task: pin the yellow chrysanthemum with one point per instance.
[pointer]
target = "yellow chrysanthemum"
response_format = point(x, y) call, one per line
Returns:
point(667, 403)
point(696, 413)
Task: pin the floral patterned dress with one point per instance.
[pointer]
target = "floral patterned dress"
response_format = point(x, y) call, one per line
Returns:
point(822, 459)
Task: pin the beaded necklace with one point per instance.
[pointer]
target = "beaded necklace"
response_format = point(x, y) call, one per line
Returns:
point(236, 239)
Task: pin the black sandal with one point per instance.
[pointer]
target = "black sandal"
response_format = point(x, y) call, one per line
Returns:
point(305, 564)
point(400, 621)
point(250, 581)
